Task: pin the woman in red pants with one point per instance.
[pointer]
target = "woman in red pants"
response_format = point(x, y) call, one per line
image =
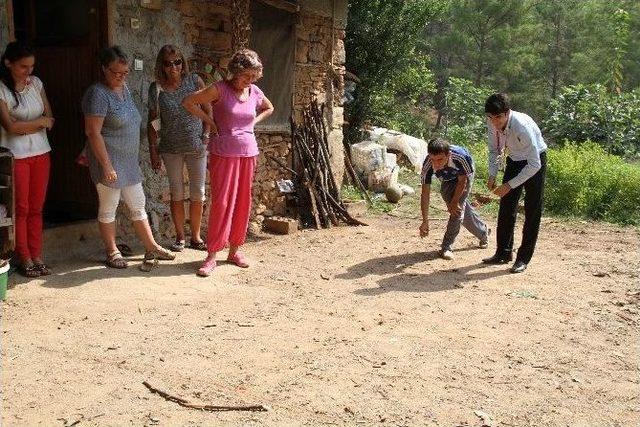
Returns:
point(238, 105)
point(25, 116)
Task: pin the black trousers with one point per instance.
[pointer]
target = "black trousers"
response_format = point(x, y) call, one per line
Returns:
point(533, 193)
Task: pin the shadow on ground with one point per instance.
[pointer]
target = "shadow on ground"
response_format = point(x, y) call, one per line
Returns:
point(401, 281)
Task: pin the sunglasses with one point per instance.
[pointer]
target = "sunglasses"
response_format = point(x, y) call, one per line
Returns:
point(174, 63)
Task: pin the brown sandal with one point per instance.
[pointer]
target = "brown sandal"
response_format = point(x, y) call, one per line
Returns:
point(160, 254)
point(148, 262)
point(30, 271)
point(115, 260)
point(199, 246)
point(43, 268)
point(125, 249)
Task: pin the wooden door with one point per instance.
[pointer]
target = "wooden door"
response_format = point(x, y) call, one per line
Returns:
point(66, 35)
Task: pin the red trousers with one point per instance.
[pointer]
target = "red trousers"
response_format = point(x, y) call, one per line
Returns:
point(31, 177)
point(231, 182)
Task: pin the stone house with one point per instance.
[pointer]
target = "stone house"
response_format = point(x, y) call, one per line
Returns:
point(301, 44)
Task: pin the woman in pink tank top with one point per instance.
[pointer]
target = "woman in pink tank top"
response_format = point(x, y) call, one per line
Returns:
point(238, 105)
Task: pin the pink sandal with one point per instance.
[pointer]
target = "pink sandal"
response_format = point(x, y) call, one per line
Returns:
point(207, 267)
point(239, 260)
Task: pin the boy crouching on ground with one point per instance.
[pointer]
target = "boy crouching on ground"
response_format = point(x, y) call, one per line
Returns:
point(454, 167)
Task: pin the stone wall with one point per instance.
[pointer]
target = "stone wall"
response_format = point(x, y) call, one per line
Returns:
point(319, 73)
point(157, 28)
point(212, 30)
point(320, 59)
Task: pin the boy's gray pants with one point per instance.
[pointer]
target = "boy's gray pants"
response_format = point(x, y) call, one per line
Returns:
point(468, 216)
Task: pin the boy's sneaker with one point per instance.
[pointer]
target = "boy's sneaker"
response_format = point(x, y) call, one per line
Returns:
point(448, 254)
point(484, 243)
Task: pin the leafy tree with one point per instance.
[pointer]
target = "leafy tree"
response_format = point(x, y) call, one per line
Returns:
point(556, 28)
point(483, 26)
point(591, 113)
point(382, 40)
point(621, 31)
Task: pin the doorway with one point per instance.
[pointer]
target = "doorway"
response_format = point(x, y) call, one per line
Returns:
point(66, 36)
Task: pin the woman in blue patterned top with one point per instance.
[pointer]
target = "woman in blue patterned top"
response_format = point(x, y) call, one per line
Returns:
point(176, 137)
point(112, 126)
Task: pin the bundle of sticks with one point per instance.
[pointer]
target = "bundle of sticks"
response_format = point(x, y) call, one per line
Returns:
point(315, 181)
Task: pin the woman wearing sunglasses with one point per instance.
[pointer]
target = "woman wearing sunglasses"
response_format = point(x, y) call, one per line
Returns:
point(112, 126)
point(177, 138)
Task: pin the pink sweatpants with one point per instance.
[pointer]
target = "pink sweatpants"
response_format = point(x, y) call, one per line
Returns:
point(231, 181)
point(31, 178)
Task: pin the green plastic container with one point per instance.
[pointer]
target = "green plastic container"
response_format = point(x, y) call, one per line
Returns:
point(4, 275)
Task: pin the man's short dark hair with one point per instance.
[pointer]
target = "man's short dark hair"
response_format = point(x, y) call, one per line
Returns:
point(438, 146)
point(498, 103)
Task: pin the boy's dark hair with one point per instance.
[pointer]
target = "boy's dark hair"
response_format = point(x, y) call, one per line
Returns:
point(498, 103)
point(439, 146)
point(108, 55)
point(13, 52)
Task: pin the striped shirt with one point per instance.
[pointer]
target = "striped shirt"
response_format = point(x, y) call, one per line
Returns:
point(460, 163)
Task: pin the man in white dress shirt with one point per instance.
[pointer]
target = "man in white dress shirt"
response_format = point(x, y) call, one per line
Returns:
point(517, 136)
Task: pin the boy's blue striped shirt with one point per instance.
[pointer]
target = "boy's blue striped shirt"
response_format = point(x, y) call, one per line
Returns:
point(460, 163)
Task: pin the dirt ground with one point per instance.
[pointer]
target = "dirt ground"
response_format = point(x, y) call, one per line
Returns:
point(348, 326)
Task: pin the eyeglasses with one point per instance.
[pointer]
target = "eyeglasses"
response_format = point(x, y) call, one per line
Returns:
point(118, 73)
point(174, 63)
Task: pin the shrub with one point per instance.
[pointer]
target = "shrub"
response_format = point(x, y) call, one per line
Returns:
point(583, 180)
point(480, 154)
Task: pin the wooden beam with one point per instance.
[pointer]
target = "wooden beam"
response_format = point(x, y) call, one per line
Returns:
point(11, 27)
point(289, 6)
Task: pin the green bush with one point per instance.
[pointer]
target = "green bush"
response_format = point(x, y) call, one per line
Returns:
point(583, 180)
point(480, 153)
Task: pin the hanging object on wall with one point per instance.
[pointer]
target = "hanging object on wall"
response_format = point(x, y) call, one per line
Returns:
point(151, 4)
point(208, 69)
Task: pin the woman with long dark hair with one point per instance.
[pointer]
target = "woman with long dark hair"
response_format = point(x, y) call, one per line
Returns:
point(25, 116)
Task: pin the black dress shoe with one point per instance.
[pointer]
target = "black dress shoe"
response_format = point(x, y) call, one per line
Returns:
point(518, 267)
point(498, 259)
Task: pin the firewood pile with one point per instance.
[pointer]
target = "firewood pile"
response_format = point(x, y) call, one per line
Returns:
point(319, 202)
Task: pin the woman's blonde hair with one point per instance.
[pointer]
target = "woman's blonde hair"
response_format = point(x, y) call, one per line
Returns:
point(165, 51)
point(243, 60)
